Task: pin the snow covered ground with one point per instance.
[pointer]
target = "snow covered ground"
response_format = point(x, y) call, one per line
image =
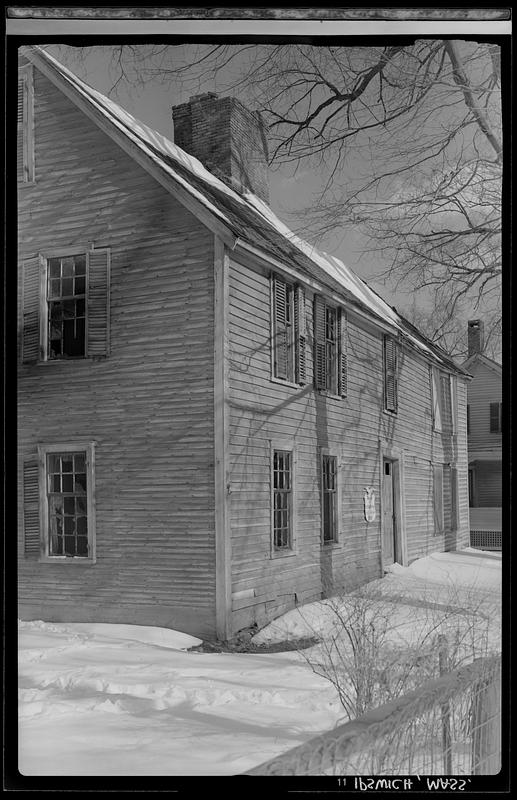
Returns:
point(103, 699)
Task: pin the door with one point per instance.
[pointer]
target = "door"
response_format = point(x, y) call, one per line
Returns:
point(388, 514)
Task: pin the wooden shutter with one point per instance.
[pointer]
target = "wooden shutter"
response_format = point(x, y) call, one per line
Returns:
point(343, 353)
point(320, 362)
point(32, 282)
point(98, 264)
point(300, 333)
point(390, 374)
point(454, 499)
point(435, 392)
point(31, 520)
point(20, 153)
point(280, 344)
point(438, 498)
point(495, 426)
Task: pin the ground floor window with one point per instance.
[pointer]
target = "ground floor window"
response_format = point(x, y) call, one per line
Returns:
point(67, 520)
point(329, 498)
point(282, 499)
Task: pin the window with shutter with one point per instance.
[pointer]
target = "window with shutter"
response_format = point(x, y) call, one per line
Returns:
point(66, 306)
point(66, 518)
point(438, 498)
point(495, 417)
point(288, 331)
point(390, 374)
point(25, 126)
point(327, 348)
point(31, 514)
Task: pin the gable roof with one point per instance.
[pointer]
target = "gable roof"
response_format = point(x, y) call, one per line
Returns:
point(480, 358)
point(244, 216)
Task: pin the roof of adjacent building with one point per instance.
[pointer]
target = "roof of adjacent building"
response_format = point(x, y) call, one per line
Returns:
point(244, 215)
point(480, 358)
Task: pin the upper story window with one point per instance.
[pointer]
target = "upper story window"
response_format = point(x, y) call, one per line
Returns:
point(25, 125)
point(390, 374)
point(288, 331)
point(496, 420)
point(330, 348)
point(66, 305)
point(444, 401)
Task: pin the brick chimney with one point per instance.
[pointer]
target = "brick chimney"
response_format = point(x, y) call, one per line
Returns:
point(476, 342)
point(228, 139)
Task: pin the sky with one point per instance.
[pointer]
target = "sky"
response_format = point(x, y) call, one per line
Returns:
point(289, 192)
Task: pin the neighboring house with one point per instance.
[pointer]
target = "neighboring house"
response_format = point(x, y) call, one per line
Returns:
point(216, 422)
point(484, 428)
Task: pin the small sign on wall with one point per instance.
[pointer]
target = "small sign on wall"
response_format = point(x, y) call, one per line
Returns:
point(369, 503)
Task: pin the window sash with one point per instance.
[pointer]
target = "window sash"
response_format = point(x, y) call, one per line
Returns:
point(496, 417)
point(66, 306)
point(329, 488)
point(282, 483)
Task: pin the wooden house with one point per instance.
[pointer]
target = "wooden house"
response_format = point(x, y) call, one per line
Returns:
point(216, 422)
point(484, 438)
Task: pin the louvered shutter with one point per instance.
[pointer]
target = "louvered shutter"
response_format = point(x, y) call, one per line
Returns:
point(301, 336)
point(98, 301)
point(20, 155)
point(320, 363)
point(435, 391)
point(280, 348)
point(32, 281)
point(438, 498)
point(454, 499)
point(390, 374)
point(494, 418)
point(343, 353)
point(31, 520)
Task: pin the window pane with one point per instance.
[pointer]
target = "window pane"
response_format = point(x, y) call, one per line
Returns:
point(56, 312)
point(54, 288)
point(54, 267)
point(82, 546)
point(69, 505)
point(53, 463)
point(67, 464)
point(80, 285)
point(68, 287)
point(55, 483)
point(80, 483)
point(68, 267)
point(79, 463)
point(80, 501)
point(69, 545)
point(69, 525)
point(80, 265)
point(81, 526)
point(56, 545)
point(68, 483)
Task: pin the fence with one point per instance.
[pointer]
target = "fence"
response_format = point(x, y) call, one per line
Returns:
point(449, 726)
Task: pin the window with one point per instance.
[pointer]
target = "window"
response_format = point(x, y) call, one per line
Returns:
point(443, 390)
point(66, 305)
point(390, 374)
point(60, 486)
point(25, 126)
point(445, 498)
point(329, 498)
point(330, 348)
point(288, 331)
point(282, 499)
point(496, 417)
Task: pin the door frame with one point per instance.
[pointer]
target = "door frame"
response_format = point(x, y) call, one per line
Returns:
point(396, 457)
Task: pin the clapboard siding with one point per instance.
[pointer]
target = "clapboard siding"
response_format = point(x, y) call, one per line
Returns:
point(264, 412)
point(149, 407)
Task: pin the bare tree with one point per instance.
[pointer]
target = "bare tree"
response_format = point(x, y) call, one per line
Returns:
point(406, 139)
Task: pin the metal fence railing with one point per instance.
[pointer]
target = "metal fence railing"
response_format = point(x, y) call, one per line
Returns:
point(449, 726)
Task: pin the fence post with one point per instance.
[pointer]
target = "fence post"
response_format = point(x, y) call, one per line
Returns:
point(486, 726)
point(445, 707)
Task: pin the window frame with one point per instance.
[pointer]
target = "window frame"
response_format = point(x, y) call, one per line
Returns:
point(45, 302)
point(336, 540)
point(437, 377)
point(82, 446)
point(26, 75)
point(388, 337)
point(278, 446)
point(499, 430)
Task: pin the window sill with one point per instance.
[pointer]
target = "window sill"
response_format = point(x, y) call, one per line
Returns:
point(289, 384)
point(334, 545)
point(389, 413)
point(283, 554)
point(66, 560)
point(331, 395)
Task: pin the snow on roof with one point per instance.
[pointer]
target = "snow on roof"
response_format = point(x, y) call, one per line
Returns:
point(245, 213)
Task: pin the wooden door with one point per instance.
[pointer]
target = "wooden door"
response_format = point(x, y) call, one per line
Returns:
point(388, 515)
